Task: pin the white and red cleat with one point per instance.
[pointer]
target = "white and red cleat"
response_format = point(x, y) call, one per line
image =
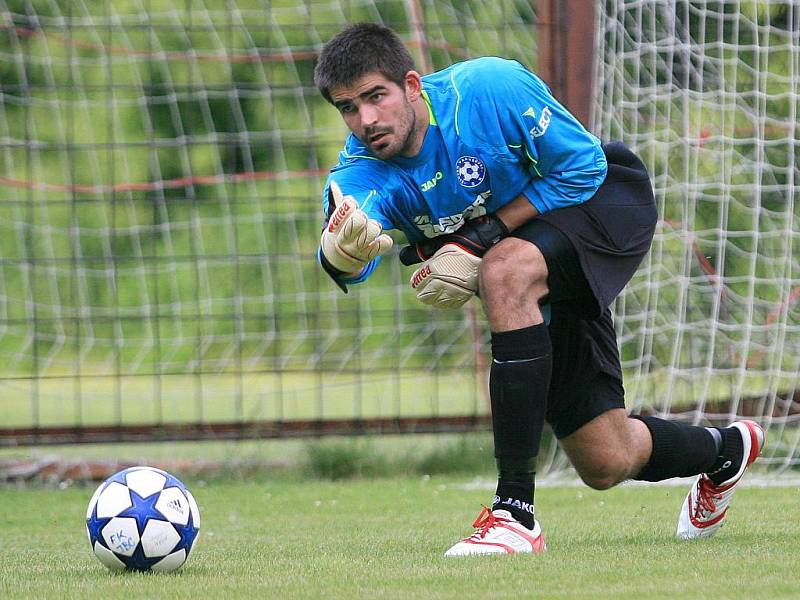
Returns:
point(706, 505)
point(499, 533)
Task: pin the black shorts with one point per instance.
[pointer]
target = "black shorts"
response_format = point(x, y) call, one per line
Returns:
point(591, 250)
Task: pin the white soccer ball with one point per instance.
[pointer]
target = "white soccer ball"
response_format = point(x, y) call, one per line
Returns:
point(142, 519)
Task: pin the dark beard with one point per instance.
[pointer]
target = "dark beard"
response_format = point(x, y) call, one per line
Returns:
point(409, 141)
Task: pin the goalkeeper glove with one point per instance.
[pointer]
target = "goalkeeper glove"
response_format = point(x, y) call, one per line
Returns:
point(350, 239)
point(449, 277)
point(475, 236)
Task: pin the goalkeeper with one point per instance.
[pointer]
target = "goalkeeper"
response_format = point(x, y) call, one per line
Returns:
point(504, 195)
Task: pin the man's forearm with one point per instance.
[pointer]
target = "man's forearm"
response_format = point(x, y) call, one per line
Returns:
point(517, 212)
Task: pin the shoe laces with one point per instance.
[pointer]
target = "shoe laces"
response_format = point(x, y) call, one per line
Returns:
point(707, 496)
point(485, 522)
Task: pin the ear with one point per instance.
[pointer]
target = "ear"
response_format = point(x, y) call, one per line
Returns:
point(413, 86)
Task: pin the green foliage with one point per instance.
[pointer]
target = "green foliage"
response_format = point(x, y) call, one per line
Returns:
point(343, 459)
point(468, 454)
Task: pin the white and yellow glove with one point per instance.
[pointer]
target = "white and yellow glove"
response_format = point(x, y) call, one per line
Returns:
point(351, 239)
point(448, 278)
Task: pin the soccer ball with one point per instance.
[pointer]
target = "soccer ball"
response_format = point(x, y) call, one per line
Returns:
point(142, 519)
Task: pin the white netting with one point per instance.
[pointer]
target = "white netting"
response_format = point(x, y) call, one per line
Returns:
point(707, 93)
point(160, 168)
point(160, 174)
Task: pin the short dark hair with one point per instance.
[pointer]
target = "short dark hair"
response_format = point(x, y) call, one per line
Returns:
point(360, 49)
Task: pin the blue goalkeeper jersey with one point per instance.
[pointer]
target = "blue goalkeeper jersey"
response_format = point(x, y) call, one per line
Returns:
point(496, 132)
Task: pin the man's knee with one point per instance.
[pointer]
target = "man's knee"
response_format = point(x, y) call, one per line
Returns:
point(513, 267)
point(605, 475)
point(609, 449)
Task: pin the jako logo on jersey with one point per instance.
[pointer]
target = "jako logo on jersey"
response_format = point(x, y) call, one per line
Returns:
point(431, 183)
point(470, 170)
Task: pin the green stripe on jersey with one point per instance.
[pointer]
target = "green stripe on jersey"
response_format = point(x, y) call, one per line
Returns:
point(431, 116)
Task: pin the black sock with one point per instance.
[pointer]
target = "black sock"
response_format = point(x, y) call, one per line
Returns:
point(730, 456)
point(679, 450)
point(515, 488)
point(518, 385)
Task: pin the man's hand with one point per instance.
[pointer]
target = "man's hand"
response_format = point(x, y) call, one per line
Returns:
point(448, 278)
point(351, 239)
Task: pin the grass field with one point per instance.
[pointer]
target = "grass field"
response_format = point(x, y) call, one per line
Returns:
point(292, 537)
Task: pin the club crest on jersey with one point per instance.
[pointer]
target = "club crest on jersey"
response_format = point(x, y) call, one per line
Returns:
point(470, 171)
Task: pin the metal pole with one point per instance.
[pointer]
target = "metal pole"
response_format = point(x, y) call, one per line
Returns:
point(566, 52)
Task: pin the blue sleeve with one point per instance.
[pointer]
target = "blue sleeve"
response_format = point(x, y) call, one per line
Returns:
point(359, 184)
point(366, 272)
point(519, 118)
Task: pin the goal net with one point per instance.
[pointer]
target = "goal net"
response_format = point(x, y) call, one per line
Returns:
point(161, 168)
point(707, 93)
point(160, 171)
